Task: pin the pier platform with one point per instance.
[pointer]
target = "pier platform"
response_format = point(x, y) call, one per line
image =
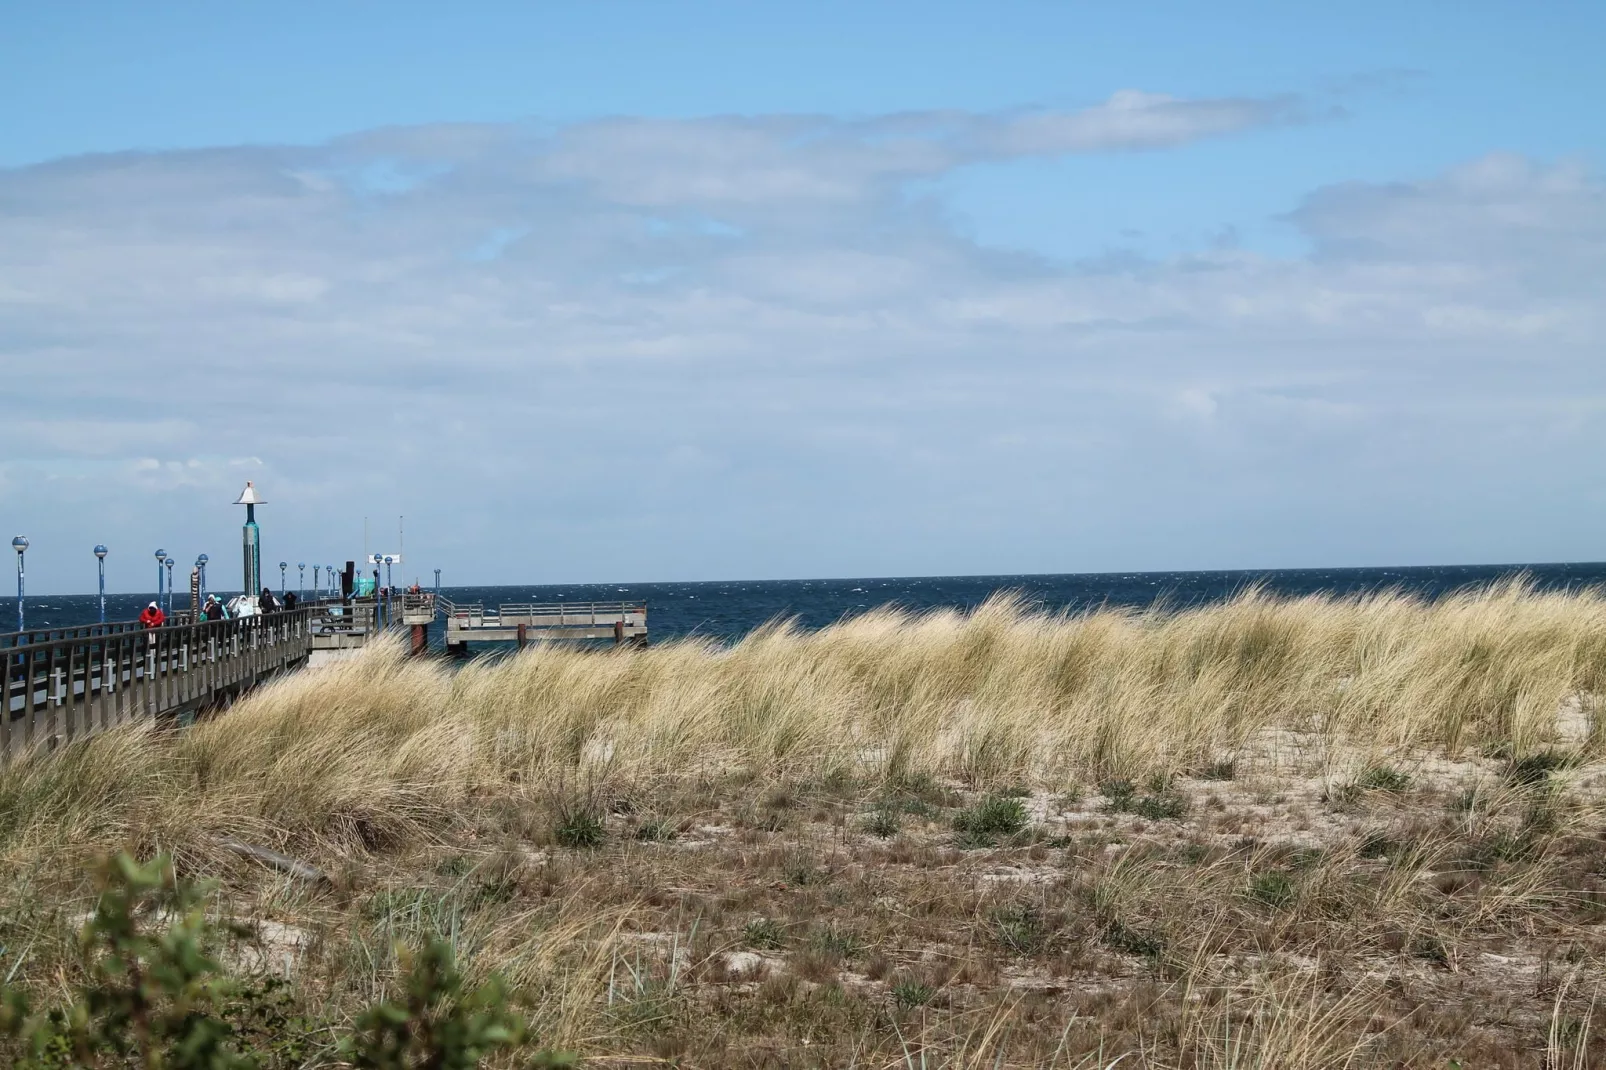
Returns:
point(526, 622)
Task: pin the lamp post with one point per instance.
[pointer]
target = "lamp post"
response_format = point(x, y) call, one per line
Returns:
point(317, 589)
point(161, 556)
point(301, 583)
point(200, 563)
point(19, 544)
point(389, 586)
point(169, 563)
point(437, 585)
point(282, 566)
point(100, 564)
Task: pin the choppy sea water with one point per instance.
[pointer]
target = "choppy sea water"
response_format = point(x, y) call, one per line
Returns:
point(727, 610)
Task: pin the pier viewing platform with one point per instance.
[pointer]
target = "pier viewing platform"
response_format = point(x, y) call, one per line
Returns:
point(525, 622)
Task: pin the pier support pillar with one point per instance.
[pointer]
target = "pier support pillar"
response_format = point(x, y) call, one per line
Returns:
point(618, 632)
point(420, 639)
point(457, 650)
point(521, 637)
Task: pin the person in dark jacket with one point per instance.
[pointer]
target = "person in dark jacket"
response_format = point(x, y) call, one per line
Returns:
point(266, 603)
point(213, 610)
point(291, 600)
point(152, 616)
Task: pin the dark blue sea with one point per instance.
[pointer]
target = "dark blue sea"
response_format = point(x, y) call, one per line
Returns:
point(727, 610)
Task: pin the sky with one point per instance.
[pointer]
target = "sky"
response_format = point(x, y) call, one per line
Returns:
point(629, 291)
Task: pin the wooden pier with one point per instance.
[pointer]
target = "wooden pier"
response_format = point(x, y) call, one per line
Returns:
point(525, 622)
point(86, 680)
point(61, 684)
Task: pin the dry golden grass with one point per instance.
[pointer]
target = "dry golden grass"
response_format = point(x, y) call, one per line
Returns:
point(1352, 832)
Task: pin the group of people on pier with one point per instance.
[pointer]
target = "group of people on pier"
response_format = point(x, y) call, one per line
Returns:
point(152, 615)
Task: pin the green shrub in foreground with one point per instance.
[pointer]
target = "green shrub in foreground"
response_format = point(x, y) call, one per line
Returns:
point(158, 1000)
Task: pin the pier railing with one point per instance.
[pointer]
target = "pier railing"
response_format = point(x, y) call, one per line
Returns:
point(416, 607)
point(72, 686)
point(562, 612)
point(35, 636)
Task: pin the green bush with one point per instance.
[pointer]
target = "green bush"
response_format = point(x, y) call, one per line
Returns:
point(160, 1000)
point(579, 828)
point(908, 992)
point(990, 817)
point(764, 934)
point(153, 998)
point(436, 1023)
point(1383, 778)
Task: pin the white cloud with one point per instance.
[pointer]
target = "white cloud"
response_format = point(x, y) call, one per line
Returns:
point(734, 345)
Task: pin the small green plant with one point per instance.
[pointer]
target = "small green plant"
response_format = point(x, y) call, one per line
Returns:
point(1383, 778)
point(907, 992)
point(1377, 845)
point(1274, 889)
point(1222, 770)
point(1306, 858)
point(1019, 927)
point(764, 934)
point(1134, 941)
point(989, 818)
point(1432, 948)
point(835, 942)
point(656, 830)
point(1534, 769)
point(883, 821)
point(920, 793)
point(1162, 802)
point(801, 871)
point(1118, 795)
point(580, 827)
point(1168, 805)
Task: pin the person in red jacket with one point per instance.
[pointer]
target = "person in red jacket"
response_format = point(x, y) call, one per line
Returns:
point(152, 616)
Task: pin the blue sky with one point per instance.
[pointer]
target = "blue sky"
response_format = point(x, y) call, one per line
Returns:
point(652, 291)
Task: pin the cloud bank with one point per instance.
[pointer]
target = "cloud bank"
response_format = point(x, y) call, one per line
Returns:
point(759, 346)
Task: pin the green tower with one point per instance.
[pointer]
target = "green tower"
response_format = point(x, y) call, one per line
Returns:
point(251, 535)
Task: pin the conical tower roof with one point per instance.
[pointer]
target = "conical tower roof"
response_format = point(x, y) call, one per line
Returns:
point(249, 495)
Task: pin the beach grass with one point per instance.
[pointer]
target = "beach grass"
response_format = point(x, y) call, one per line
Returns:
point(1312, 832)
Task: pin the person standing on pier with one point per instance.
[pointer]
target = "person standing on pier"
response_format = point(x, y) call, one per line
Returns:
point(266, 603)
point(152, 616)
point(290, 601)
